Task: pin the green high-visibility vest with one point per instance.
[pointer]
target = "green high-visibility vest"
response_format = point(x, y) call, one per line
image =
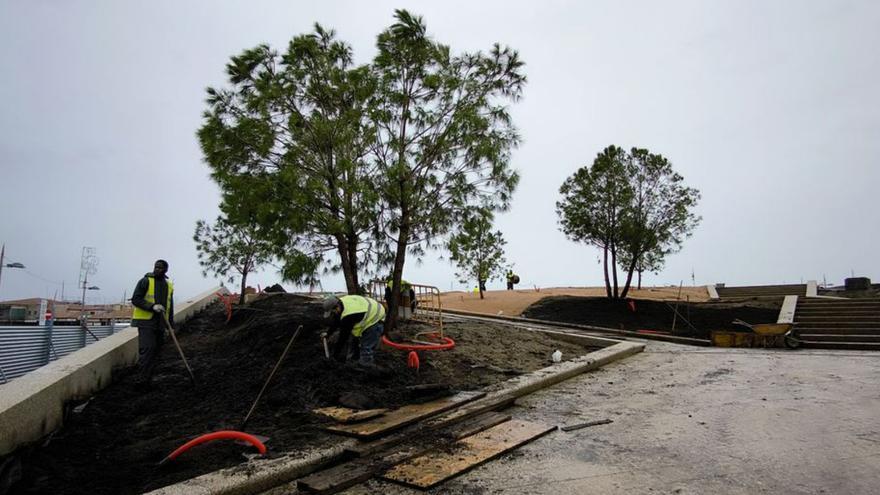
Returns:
point(150, 297)
point(373, 312)
point(404, 285)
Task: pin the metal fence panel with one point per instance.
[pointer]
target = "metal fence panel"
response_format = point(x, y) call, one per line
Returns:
point(22, 349)
point(66, 340)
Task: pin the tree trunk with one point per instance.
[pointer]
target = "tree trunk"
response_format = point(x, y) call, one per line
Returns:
point(481, 290)
point(244, 274)
point(607, 281)
point(640, 280)
point(353, 264)
point(629, 276)
point(614, 270)
point(345, 261)
point(397, 275)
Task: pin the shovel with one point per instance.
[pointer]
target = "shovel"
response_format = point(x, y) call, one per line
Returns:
point(179, 350)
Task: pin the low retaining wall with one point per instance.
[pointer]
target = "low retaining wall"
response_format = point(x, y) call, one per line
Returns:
point(32, 406)
point(622, 334)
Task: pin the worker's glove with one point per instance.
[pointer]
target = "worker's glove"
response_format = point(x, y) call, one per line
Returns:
point(158, 308)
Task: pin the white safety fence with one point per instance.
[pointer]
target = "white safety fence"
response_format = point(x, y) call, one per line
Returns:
point(26, 348)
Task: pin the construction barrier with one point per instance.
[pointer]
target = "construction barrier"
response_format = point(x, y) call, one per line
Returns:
point(419, 303)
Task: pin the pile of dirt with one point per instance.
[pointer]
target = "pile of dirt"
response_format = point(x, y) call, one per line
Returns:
point(700, 318)
point(112, 444)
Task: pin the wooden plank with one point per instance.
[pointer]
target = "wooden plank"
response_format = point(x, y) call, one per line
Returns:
point(347, 415)
point(343, 476)
point(337, 478)
point(460, 414)
point(433, 468)
point(475, 425)
point(406, 415)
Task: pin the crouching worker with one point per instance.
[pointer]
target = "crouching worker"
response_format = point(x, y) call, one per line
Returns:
point(360, 322)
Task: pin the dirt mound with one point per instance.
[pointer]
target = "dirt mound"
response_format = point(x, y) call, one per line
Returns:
point(114, 443)
point(653, 315)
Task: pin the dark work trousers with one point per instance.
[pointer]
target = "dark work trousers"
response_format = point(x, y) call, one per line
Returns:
point(151, 337)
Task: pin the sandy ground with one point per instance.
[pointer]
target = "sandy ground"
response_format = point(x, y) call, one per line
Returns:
point(512, 303)
point(693, 421)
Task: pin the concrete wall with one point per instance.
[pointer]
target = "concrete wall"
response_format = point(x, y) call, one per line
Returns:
point(32, 405)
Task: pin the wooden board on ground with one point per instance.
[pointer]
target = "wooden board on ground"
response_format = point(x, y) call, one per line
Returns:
point(457, 415)
point(399, 418)
point(345, 475)
point(433, 468)
point(347, 415)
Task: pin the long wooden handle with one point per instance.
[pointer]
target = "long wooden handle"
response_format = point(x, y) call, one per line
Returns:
point(266, 384)
point(177, 344)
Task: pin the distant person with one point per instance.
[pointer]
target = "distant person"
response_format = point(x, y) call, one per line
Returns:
point(405, 288)
point(153, 298)
point(360, 323)
point(512, 279)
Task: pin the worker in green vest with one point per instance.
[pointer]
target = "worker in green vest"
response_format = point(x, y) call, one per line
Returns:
point(360, 322)
point(153, 298)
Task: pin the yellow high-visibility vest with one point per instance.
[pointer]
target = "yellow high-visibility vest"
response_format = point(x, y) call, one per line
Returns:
point(142, 314)
point(373, 312)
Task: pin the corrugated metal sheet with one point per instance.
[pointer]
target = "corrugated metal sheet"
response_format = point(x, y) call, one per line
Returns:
point(67, 339)
point(26, 348)
point(22, 349)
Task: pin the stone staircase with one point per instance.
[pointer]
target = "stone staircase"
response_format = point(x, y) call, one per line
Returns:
point(750, 291)
point(839, 323)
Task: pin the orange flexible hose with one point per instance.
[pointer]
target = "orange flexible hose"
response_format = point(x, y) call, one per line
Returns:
point(217, 435)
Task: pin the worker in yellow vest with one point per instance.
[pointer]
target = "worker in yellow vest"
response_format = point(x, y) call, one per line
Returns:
point(360, 321)
point(152, 299)
point(405, 289)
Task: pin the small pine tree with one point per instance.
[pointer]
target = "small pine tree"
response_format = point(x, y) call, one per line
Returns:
point(226, 250)
point(477, 250)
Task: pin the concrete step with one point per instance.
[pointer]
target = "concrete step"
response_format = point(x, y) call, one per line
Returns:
point(818, 329)
point(837, 303)
point(836, 316)
point(830, 337)
point(839, 306)
point(849, 346)
point(870, 320)
point(840, 323)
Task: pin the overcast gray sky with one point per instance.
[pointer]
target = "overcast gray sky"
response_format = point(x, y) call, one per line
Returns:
point(771, 109)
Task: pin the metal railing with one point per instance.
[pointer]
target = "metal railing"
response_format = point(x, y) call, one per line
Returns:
point(26, 348)
point(421, 304)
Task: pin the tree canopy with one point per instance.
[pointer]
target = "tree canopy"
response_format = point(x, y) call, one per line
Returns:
point(287, 142)
point(633, 206)
point(477, 251)
point(443, 135)
point(368, 162)
point(225, 250)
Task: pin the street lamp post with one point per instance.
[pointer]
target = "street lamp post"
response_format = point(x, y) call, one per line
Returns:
point(7, 265)
point(86, 287)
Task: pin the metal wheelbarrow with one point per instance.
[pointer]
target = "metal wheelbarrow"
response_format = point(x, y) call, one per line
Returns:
point(771, 333)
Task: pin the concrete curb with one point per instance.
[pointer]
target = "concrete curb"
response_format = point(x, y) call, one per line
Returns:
point(261, 475)
point(32, 406)
point(713, 292)
point(622, 333)
point(786, 312)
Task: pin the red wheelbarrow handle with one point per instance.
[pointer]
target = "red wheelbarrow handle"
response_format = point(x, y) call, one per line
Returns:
point(217, 435)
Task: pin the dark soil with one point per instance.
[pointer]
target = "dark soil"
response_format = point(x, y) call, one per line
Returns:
point(654, 315)
point(114, 443)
